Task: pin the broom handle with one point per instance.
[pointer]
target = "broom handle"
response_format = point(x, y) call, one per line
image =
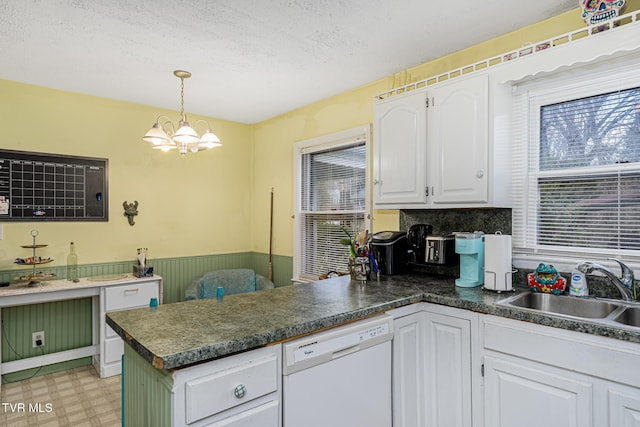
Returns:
point(271, 238)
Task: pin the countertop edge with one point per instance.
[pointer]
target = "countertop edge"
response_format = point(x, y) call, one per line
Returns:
point(248, 342)
point(244, 343)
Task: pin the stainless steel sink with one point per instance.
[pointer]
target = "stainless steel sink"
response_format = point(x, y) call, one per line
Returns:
point(586, 308)
point(629, 316)
point(621, 314)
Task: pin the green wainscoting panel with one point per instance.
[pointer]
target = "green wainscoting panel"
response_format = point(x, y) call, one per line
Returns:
point(282, 267)
point(177, 273)
point(147, 396)
point(67, 324)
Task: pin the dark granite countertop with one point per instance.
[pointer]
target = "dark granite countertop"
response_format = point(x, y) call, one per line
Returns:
point(184, 333)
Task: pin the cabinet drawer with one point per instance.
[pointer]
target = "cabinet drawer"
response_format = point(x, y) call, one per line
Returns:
point(264, 416)
point(536, 342)
point(113, 349)
point(220, 391)
point(129, 296)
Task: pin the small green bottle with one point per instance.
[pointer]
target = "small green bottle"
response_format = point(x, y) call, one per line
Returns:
point(72, 264)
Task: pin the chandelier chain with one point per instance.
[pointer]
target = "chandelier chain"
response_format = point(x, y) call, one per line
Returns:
point(182, 99)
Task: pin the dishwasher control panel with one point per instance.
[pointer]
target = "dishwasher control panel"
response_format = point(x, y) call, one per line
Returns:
point(337, 342)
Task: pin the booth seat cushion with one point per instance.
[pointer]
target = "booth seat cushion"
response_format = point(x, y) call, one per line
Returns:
point(234, 281)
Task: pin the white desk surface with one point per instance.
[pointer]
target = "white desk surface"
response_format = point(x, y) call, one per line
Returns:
point(54, 290)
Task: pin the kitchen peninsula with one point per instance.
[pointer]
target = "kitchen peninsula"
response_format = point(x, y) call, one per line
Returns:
point(179, 337)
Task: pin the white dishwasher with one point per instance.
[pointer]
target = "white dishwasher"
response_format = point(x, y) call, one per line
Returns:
point(340, 377)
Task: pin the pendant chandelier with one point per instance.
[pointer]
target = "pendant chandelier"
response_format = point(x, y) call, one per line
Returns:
point(164, 137)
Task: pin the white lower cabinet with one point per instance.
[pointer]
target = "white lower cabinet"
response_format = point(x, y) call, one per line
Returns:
point(538, 375)
point(453, 367)
point(264, 415)
point(448, 365)
point(239, 391)
point(525, 394)
point(436, 367)
point(124, 296)
point(408, 371)
point(624, 406)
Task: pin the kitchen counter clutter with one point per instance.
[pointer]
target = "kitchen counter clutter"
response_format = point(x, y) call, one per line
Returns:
point(185, 333)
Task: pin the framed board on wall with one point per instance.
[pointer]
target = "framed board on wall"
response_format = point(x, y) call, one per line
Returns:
point(52, 187)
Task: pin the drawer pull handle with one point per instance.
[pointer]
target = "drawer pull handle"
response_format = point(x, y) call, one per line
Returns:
point(131, 291)
point(240, 391)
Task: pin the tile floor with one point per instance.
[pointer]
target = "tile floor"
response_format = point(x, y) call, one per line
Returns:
point(76, 397)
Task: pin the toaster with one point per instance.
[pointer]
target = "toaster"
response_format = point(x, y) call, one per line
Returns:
point(440, 250)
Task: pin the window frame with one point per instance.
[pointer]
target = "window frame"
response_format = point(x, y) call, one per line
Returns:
point(528, 97)
point(323, 143)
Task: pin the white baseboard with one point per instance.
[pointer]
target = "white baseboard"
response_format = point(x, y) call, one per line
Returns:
point(47, 359)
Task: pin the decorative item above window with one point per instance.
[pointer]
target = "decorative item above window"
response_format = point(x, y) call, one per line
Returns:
point(164, 136)
point(596, 12)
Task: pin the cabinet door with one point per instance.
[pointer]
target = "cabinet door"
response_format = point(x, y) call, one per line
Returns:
point(400, 144)
point(458, 141)
point(521, 393)
point(447, 371)
point(624, 407)
point(408, 373)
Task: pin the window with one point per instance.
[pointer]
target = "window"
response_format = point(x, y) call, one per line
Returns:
point(331, 194)
point(577, 167)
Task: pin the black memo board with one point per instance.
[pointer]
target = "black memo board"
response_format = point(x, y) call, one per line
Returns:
point(52, 187)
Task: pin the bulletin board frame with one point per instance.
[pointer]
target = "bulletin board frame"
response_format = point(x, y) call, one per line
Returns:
point(40, 187)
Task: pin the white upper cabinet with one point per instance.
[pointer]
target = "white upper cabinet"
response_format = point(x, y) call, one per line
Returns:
point(458, 141)
point(400, 151)
point(448, 148)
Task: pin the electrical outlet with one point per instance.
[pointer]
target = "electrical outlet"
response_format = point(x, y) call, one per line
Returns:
point(38, 339)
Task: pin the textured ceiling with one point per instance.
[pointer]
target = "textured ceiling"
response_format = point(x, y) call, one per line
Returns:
point(250, 59)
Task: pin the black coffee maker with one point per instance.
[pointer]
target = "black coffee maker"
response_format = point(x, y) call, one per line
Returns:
point(417, 242)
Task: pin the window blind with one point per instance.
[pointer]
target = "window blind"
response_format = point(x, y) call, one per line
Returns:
point(577, 168)
point(332, 197)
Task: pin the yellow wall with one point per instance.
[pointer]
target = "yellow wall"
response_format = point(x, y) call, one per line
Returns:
point(274, 139)
point(193, 205)
point(211, 203)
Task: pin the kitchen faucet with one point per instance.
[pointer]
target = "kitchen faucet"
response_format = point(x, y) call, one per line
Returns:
point(625, 284)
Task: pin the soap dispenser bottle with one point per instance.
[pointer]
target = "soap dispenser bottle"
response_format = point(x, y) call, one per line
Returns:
point(578, 286)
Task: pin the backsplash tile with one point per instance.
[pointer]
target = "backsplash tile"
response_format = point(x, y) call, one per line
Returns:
point(445, 221)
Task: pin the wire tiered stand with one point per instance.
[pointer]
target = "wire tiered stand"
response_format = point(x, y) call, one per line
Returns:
point(34, 278)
